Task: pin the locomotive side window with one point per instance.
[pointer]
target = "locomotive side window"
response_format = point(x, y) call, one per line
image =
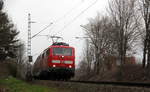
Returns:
point(62, 51)
point(47, 52)
point(42, 55)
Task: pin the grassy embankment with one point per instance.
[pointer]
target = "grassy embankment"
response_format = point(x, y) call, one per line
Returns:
point(11, 84)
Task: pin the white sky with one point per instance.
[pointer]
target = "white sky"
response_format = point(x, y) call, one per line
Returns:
point(43, 12)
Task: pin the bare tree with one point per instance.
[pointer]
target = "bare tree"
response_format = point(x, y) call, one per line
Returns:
point(145, 11)
point(100, 38)
point(124, 18)
point(85, 69)
point(21, 52)
point(88, 56)
point(113, 36)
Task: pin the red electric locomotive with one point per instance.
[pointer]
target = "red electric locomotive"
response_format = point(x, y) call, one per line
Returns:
point(57, 61)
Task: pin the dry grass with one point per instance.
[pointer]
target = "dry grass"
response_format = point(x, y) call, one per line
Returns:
point(131, 73)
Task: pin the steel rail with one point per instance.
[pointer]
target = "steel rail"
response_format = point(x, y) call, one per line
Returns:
point(127, 84)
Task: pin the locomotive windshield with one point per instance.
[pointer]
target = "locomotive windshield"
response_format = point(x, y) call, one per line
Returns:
point(62, 51)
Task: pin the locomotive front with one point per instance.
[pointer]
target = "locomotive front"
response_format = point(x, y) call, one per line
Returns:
point(62, 59)
point(58, 60)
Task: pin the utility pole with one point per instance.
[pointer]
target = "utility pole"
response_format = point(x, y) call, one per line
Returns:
point(29, 74)
point(29, 38)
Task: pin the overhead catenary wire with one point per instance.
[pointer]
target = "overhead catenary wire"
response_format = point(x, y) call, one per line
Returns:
point(69, 23)
point(42, 30)
point(67, 13)
point(59, 19)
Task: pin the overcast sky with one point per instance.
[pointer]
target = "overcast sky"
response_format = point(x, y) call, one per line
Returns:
point(62, 13)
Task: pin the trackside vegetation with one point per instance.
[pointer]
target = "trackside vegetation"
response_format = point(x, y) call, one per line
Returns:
point(11, 84)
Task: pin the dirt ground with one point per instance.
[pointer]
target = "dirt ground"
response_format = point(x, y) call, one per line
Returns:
point(81, 87)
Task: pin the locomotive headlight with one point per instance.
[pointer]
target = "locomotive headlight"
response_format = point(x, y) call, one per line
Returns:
point(68, 62)
point(54, 65)
point(70, 66)
point(55, 61)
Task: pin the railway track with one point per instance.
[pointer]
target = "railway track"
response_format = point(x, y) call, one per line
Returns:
point(127, 84)
point(91, 86)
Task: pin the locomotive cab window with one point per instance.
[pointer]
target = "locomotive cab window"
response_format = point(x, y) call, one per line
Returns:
point(62, 51)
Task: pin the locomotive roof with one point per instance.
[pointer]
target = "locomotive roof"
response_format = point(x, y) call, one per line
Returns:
point(60, 44)
point(57, 46)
